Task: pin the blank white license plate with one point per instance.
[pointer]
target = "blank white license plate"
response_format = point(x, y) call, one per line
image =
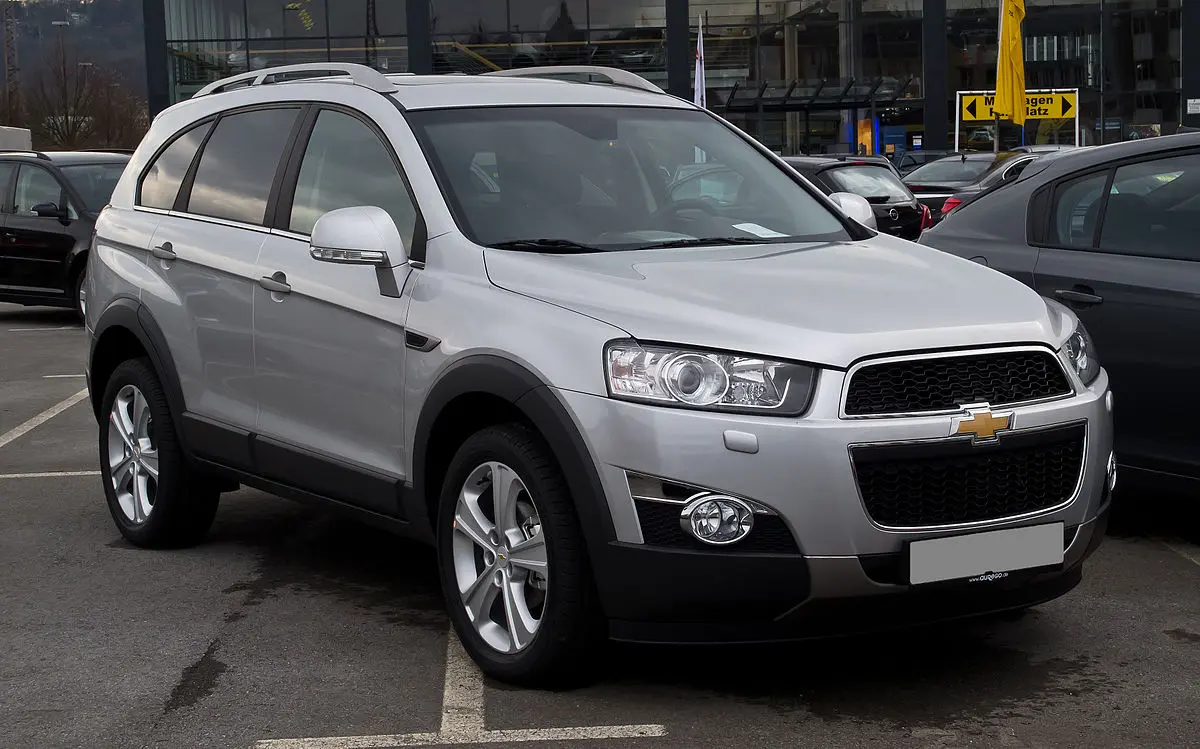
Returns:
point(959, 557)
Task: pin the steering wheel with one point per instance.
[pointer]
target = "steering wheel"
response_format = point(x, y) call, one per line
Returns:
point(683, 205)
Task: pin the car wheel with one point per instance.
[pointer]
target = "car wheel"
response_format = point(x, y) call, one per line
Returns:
point(77, 292)
point(513, 563)
point(155, 497)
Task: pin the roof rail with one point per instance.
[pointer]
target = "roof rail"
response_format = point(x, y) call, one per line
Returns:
point(23, 152)
point(361, 75)
point(613, 76)
point(109, 150)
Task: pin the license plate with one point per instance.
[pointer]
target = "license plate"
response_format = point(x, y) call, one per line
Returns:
point(980, 554)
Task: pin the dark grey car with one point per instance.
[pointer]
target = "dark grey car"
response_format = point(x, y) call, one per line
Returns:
point(1111, 231)
point(945, 184)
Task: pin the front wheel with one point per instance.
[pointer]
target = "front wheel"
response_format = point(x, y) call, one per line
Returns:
point(514, 568)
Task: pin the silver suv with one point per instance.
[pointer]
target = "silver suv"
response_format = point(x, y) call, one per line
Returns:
point(500, 314)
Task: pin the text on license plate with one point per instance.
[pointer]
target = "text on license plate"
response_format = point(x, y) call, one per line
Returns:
point(957, 557)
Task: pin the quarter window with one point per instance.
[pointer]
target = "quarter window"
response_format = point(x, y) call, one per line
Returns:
point(346, 164)
point(160, 185)
point(238, 164)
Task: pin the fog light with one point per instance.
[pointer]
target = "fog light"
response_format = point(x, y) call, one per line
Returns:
point(1112, 471)
point(717, 519)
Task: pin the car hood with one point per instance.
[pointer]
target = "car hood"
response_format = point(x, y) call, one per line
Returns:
point(825, 303)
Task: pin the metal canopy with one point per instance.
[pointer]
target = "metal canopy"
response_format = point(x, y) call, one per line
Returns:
point(824, 95)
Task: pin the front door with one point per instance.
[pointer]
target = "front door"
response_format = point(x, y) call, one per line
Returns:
point(35, 249)
point(1133, 277)
point(329, 339)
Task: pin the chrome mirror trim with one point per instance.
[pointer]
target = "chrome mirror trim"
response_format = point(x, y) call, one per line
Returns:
point(349, 257)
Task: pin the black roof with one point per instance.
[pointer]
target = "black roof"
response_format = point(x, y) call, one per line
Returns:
point(68, 158)
point(1073, 159)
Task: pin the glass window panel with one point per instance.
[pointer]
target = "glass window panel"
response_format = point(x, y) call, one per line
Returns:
point(283, 19)
point(161, 184)
point(350, 18)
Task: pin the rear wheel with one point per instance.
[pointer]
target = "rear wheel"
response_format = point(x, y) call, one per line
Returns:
point(154, 496)
point(514, 568)
point(76, 290)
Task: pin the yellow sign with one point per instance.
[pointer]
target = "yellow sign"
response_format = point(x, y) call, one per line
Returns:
point(978, 107)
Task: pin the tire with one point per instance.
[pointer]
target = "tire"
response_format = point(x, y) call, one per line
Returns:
point(77, 290)
point(178, 508)
point(570, 632)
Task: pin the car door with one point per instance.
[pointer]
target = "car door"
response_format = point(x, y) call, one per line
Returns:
point(203, 256)
point(1125, 258)
point(329, 343)
point(37, 244)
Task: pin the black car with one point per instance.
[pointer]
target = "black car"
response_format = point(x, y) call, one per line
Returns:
point(945, 184)
point(907, 161)
point(1111, 232)
point(51, 201)
point(896, 209)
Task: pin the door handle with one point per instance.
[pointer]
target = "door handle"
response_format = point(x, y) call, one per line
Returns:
point(276, 282)
point(164, 251)
point(1082, 296)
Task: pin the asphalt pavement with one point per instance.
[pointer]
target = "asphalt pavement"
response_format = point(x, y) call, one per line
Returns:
point(291, 629)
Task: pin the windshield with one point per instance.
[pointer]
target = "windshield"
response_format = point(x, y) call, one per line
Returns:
point(94, 182)
point(575, 179)
point(953, 169)
point(875, 183)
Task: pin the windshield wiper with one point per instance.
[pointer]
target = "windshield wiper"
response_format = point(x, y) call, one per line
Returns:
point(705, 241)
point(541, 245)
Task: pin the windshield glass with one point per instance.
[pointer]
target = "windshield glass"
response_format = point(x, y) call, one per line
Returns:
point(953, 169)
point(875, 183)
point(612, 178)
point(94, 182)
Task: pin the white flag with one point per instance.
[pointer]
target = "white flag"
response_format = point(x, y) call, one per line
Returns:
point(701, 96)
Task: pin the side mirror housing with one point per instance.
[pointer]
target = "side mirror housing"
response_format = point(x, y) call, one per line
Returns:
point(49, 210)
point(856, 207)
point(360, 235)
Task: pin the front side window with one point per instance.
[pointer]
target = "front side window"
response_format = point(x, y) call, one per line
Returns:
point(35, 187)
point(346, 164)
point(875, 183)
point(612, 178)
point(237, 168)
point(94, 182)
point(160, 184)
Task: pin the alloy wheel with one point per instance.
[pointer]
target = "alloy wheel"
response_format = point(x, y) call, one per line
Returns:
point(132, 454)
point(499, 554)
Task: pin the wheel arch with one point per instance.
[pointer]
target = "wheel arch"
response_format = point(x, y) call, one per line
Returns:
point(484, 389)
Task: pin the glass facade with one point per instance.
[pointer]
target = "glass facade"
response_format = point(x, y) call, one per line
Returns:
point(803, 76)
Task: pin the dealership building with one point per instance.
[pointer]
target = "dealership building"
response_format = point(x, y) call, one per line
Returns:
point(805, 76)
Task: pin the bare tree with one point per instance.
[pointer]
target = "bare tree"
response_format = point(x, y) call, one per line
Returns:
point(61, 99)
point(119, 115)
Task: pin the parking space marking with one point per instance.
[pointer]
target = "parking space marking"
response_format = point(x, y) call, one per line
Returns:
point(59, 377)
point(463, 720)
point(39, 330)
point(48, 475)
point(1190, 556)
point(41, 418)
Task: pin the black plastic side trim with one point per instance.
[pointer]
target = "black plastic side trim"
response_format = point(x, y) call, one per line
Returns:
point(212, 440)
point(321, 475)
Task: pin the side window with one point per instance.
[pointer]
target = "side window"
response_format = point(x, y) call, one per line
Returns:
point(1015, 170)
point(1152, 209)
point(160, 183)
point(36, 186)
point(6, 175)
point(346, 164)
point(1077, 211)
point(237, 167)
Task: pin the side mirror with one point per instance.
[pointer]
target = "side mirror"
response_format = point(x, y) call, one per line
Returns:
point(360, 235)
point(49, 210)
point(856, 207)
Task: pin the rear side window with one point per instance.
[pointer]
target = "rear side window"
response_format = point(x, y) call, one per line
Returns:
point(1077, 211)
point(160, 184)
point(237, 168)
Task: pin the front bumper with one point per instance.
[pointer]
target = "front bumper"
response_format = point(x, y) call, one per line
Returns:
point(850, 573)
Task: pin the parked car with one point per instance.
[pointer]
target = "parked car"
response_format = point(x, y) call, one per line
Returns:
point(614, 412)
point(51, 200)
point(897, 211)
point(945, 184)
point(1110, 231)
point(909, 160)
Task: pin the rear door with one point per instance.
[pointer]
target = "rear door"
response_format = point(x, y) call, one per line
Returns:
point(37, 248)
point(1125, 257)
point(329, 343)
point(204, 257)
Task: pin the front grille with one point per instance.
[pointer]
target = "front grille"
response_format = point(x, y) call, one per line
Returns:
point(660, 527)
point(948, 383)
point(952, 482)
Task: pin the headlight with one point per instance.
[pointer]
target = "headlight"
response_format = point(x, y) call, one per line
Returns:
point(707, 380)
point(1081, 352)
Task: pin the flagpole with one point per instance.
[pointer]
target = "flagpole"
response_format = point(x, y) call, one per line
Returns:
point(999, 58)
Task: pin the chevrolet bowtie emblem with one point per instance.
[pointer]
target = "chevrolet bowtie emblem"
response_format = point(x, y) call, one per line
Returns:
point(980, 423)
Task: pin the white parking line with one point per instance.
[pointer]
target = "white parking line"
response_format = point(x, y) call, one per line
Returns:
point(48, 475)
point(42, 418)
point(39, 330)
point(60, 377)
point(463, 720)
point(1191, 556)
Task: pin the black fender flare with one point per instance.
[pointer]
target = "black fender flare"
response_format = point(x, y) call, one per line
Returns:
point(506, 379)
point(131, 315)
